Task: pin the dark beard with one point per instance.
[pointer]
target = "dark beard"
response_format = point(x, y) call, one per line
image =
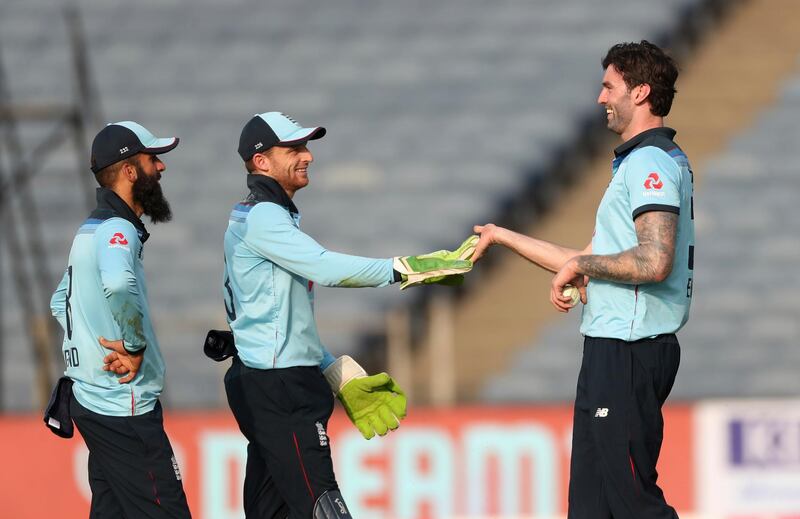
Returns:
point(148, 195)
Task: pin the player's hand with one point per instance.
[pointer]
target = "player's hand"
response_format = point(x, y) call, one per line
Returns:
point(374, 404)
point(568, 275)
point(487, 234)
point(120, 360)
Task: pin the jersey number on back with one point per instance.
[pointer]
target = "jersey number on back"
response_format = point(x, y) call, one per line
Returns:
point(230, 310)
point(70, 355)
point(69, 307)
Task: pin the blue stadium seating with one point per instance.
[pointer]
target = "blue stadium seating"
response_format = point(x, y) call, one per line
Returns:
point(432, 109)
point(739, 341)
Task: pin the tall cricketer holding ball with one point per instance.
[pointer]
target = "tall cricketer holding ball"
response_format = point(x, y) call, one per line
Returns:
point(640, 270)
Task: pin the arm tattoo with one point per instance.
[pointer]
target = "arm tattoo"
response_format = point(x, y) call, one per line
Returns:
point(648, 262)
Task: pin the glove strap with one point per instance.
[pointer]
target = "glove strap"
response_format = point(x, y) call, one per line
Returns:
point(401, 266)
point(341, 371)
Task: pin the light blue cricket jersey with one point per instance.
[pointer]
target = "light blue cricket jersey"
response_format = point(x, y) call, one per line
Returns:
point(103, 293)
point(650, 173)
point(271, 267)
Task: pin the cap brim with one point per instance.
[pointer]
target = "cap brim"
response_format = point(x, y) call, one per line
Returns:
point(303, 135)
point(158, 146)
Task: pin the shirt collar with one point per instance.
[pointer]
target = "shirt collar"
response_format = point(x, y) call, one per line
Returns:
point(629, 145)
point(109, 204)
point(267, 189)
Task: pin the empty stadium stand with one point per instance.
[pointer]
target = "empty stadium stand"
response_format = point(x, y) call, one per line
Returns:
point(739, 341)
point(435, 111)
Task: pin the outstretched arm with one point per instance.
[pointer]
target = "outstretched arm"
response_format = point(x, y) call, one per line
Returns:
point(272, 233)
point(546, 255)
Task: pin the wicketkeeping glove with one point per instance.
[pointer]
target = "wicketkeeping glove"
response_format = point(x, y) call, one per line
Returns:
point(443, 266)
point(374, 403)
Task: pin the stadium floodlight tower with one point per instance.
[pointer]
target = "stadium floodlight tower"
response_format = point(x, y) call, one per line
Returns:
point(27, 251)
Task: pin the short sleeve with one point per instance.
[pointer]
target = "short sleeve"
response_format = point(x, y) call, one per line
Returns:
point(653, 181)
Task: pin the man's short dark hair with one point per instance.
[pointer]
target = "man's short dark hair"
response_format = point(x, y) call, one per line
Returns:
point(250, 166)
point(645, 63)
point(108, 175)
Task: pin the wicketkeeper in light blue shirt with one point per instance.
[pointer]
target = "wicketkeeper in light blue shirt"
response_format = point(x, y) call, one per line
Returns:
point(281, 383)
point(271, 270)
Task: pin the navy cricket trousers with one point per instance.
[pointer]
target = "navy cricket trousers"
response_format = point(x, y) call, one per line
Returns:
point(284, 415)
point(618, 428)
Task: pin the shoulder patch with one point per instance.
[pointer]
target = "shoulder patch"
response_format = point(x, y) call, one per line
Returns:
point(653, 181)
point(118, 239)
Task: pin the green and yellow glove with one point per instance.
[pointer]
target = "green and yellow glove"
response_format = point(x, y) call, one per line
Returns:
point(375, 404)
point(443, 266)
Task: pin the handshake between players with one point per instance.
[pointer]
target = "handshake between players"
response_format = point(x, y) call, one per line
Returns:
point(282, 381)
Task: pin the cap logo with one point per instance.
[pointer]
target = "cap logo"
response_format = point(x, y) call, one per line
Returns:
point(295, 122)
point(123, 150)
point(259, 145)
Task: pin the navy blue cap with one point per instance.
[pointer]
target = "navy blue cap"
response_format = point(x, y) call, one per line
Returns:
point(118, 141)
point(269, 129)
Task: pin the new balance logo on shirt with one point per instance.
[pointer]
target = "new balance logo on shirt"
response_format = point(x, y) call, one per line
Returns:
point(602, 412)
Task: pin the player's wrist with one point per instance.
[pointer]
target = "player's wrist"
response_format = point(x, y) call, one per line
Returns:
point(341, 371)
point(576, 264)
point(134, 349)
point(499, 236)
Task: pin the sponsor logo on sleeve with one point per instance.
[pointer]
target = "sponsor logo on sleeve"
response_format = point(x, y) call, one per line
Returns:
point(118, 241)
point(653, 185)
point(653, 182)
